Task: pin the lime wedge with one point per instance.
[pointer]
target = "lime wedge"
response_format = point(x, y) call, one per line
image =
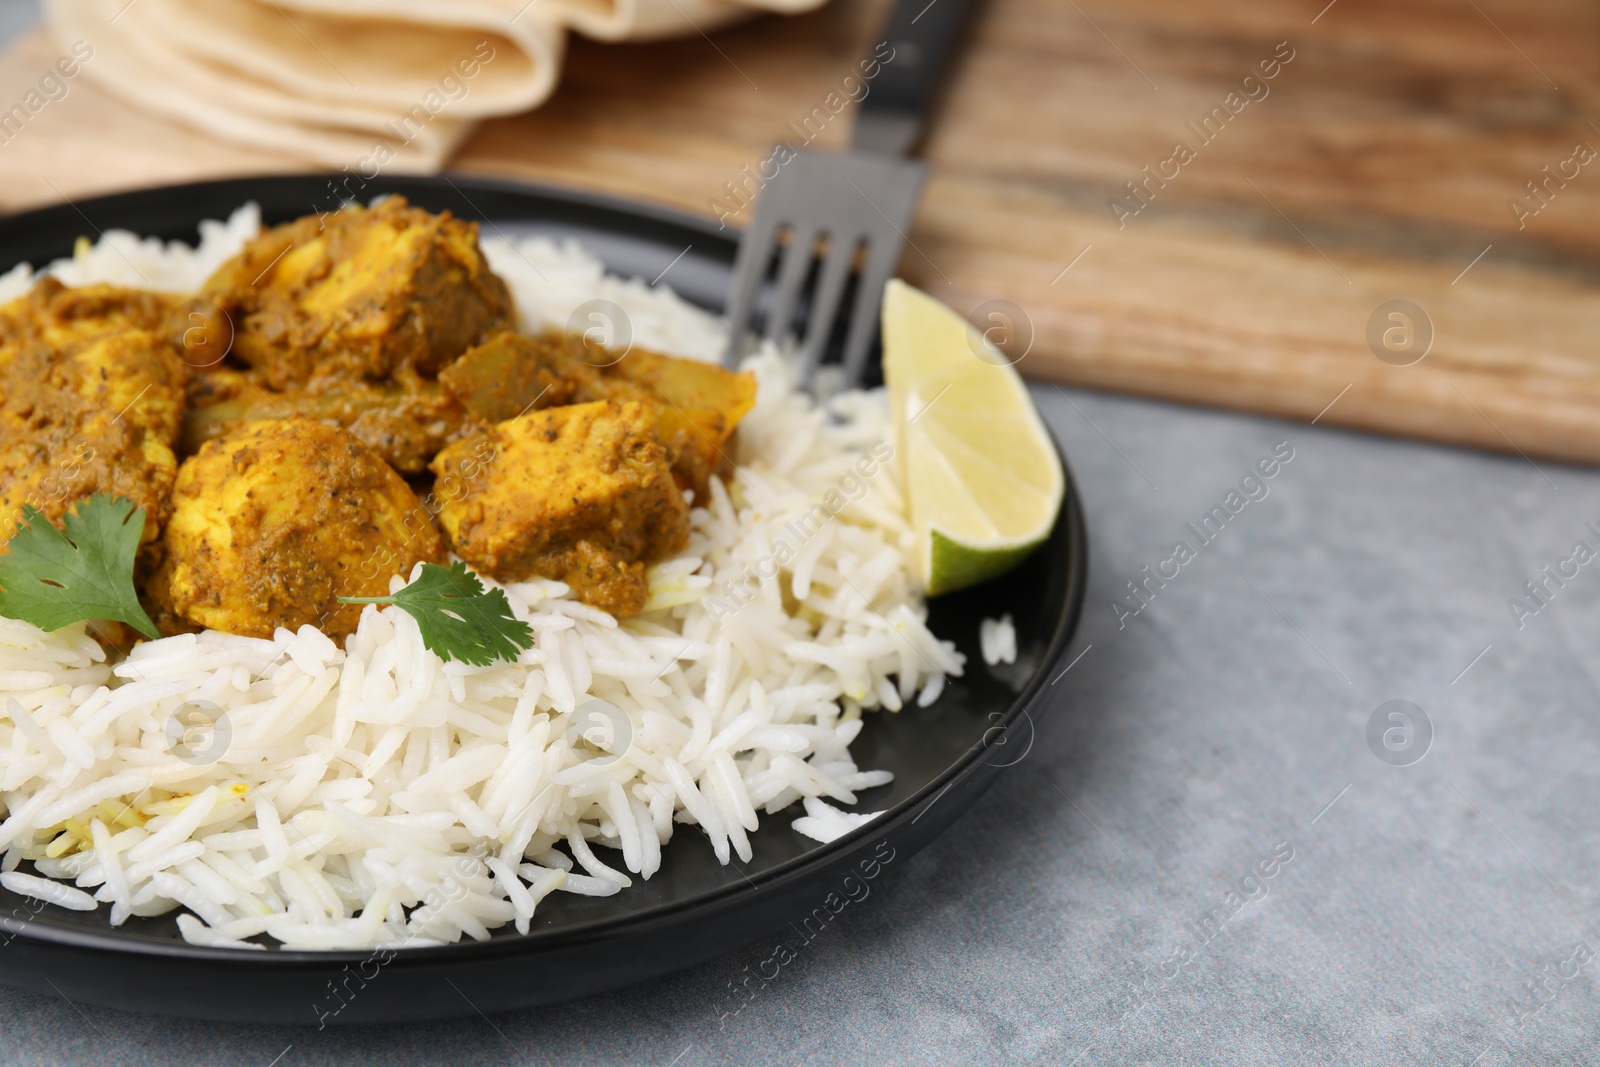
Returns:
point(983, 480)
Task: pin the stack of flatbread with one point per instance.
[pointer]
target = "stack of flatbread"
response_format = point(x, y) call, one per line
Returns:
point(396, 84)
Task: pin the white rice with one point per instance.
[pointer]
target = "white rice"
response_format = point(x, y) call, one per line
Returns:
point(824, 822)
point(997, 640)
point(378, 796)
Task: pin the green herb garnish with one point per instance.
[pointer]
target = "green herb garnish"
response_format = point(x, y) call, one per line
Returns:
point(52, 579)
point(458, 619)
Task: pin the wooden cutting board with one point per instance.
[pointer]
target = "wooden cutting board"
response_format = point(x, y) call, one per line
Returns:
point(1381, 162)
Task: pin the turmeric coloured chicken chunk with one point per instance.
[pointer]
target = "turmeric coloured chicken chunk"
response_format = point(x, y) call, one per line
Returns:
point(697, 405)
point(66, 318)
point(274, 521)
point(91, 401)
point(511, 374)
point(582, 493)
point(404, 422)
point(361, 293)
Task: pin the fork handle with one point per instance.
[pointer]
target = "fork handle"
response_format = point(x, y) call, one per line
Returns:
point(912, 57)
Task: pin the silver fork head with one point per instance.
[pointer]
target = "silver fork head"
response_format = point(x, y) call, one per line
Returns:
point(858, 202)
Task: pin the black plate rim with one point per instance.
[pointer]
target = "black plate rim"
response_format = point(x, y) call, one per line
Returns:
point(111, 942)
point(74, 212)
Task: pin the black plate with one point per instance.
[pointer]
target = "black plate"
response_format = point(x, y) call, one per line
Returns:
point(943, 757)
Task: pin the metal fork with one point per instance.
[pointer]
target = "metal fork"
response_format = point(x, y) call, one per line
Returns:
point(856, 203)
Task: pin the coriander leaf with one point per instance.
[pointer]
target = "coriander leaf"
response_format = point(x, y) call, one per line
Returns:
point(51, 579)
point(458, 619)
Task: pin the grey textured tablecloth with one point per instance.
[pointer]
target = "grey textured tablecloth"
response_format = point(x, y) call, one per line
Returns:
point(1107, 902)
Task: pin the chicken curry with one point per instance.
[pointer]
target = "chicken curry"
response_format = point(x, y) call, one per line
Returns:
point(377, 408)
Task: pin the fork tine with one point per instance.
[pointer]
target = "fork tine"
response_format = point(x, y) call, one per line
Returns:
point(883, 255)
point(749, 266)
point(797, 259)
point(825, 304)
point(852, 198)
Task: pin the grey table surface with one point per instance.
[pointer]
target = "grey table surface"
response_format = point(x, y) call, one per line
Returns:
point(1437, 906)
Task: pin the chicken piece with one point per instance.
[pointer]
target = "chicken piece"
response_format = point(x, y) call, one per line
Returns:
point(91, 400)
point(697, 405)
point(406, 423)
point(582, 494)
point(65, 319)
point(359, 293)
point(274, 521)
point(511, 374)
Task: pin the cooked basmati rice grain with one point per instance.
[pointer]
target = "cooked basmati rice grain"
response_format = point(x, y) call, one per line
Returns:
point(64, 896)
point(997, 640)
point(824, 822)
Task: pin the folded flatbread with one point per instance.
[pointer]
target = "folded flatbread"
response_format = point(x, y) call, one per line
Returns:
point(391, 84)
